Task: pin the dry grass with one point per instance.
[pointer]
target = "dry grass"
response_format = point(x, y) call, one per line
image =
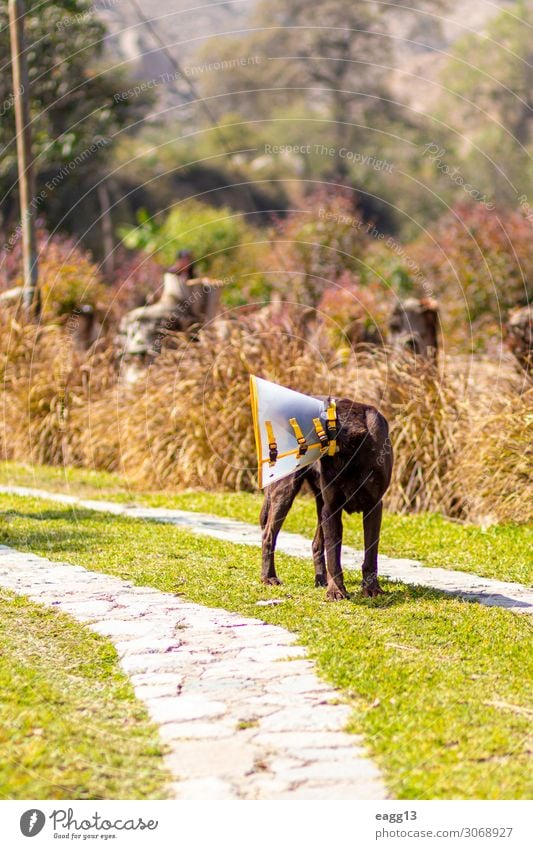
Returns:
point(460, 447)
point(425, 412)
point(46, 386)
point(493, 469)
point(189, 422)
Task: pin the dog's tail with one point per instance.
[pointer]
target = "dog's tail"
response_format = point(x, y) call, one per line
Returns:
point(377, 425)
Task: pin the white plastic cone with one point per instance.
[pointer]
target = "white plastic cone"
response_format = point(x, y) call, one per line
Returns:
point(273, 408)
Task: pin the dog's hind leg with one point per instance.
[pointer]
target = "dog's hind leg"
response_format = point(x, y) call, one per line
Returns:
point(372, 528)
point(319, 559)
point(332, 528)
point(278, 501)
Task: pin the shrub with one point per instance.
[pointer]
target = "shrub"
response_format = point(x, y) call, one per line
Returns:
point(204, 230)
point(480, 264)
point(354, 314)
point(67, 275)
point(216, 237)
point(318, 244)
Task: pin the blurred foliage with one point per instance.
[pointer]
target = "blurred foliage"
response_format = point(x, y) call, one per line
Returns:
point(489, 90)
point(291, 92)
point(72, 96)
point(298, 257)
point(314, 97)
point(204, 230)
point(68, 277)
point(136, 281)
point(223, 245)
point(480, 264)
point(284, 60)
point(318, 243)
point(354, 314)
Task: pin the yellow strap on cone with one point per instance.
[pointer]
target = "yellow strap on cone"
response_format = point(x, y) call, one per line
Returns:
point(272, 444)
point(300, 438)
point(321, 433)
point(331, 414)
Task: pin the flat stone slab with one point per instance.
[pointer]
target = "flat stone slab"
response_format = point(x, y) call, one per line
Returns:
point(240, 720)
point(506, 594)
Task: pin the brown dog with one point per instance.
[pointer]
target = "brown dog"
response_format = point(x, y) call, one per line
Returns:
point(354, 479)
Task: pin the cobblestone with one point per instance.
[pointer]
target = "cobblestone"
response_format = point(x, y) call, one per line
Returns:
point(239, 720)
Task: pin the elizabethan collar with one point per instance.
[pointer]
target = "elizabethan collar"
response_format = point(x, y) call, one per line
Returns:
point(291, 430)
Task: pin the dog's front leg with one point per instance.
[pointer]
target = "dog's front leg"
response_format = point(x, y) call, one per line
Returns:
point(319, 559)
point(332, 527)
point(268, 524)
point(278, 501)
point(371, 528)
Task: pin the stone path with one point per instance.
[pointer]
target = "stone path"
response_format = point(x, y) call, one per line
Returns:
point(512, 596)
point(237, 702)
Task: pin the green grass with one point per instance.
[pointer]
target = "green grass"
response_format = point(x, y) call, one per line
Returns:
point(440, 686)
point(70, 725)
point(500, 551)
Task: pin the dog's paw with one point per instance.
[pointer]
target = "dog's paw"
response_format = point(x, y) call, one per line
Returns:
point(372, 590)
point(272, 582)
point(320, 581)
point(336, 593)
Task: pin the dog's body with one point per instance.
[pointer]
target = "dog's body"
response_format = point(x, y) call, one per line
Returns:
point(354, 479)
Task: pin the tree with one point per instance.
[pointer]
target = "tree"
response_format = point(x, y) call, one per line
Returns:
point(76, 105)
point(327, 61)
point(479, 264)
point(489, 91)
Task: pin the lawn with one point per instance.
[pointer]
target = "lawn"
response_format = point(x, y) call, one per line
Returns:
point(70, 725)
point(500, 551)
point(440, 686)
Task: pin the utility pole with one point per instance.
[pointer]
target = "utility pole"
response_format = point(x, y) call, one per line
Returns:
point(21, 92)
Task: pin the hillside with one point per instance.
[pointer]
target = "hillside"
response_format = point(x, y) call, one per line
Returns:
point(421, 43)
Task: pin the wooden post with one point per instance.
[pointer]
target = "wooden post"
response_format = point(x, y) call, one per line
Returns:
point(108, 244)
point(21, 92)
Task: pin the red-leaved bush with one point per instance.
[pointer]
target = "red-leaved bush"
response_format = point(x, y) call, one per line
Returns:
point(480, 264)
